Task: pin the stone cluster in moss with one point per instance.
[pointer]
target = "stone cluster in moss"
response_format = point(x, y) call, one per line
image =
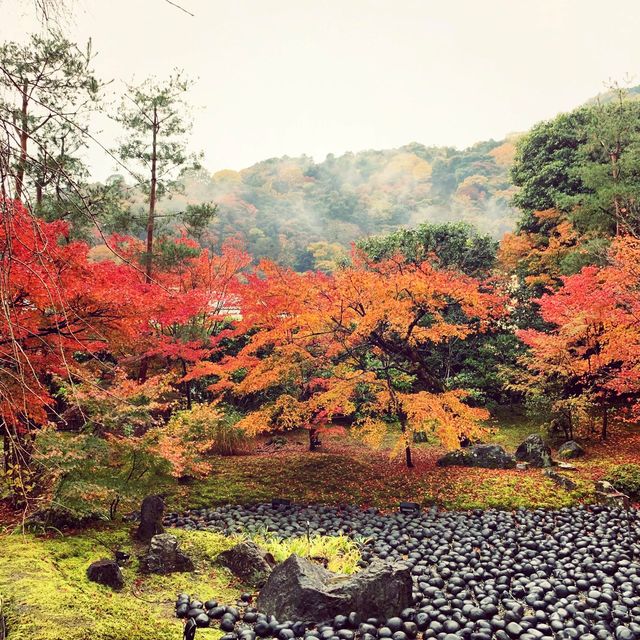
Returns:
point(46, 595)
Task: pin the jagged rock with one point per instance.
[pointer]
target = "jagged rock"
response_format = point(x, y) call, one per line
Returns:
point(534, 451)
point(299, 589)
point(151, 514)
point(106, 572)
point(608, 495)
point(164, 556)
point(570, 449)
point(616, 499)
point(522, 466)
point(249, 562)
point(488, 456)
point(560, 480)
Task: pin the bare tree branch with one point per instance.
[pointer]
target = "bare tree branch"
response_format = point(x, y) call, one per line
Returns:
point(181, 8)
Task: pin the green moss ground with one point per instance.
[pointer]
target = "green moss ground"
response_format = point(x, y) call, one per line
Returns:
point(46, 595)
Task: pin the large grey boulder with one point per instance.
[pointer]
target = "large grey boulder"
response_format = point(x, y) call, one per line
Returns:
point(164, 556)
point(299, 589)
point(535, 451)
point(488, 456)
point(249, 562)
point(151, 514)
point(570, 449)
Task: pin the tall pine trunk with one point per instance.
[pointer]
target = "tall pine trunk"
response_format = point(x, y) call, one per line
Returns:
point(144, 365)
point(24, 136)
point(152, 197)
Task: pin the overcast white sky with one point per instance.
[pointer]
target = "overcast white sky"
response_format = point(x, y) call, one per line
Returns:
point(280, 77)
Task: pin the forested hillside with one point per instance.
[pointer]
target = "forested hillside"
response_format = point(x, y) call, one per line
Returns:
point(306, 214)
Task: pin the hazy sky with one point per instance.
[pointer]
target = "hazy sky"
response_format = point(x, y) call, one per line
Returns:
point(280, 77)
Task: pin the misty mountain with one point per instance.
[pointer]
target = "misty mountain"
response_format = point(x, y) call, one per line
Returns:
point(302, 213)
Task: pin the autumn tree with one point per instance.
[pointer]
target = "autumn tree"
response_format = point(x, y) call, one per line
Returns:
point(286, 375)
point(58, 312)
point(587, 362)
point(473, 362)
point(388, 319)
point(197, 308)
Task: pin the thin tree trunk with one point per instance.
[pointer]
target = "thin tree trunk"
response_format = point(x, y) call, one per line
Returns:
point(144, 365)
point(152, 197)
point(407, 450)
point(6, 443)
point(407, 457)
point(615, 176)
point(313, 439)
point(187, 385)
point(24, 123)
point(605, 422)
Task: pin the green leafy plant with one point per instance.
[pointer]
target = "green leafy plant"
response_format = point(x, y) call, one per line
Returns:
point(208, 424)
point(626, 478)
point(340, 553)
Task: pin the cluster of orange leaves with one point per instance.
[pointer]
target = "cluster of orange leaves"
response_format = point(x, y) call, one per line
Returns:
point(539, 254)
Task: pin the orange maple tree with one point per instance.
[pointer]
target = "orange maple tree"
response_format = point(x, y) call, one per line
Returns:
point(285, 375)
point(357, 345)
point(387, 318)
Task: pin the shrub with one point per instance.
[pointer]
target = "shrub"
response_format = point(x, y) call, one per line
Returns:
point(210, 428)
point(341, 553)
point(626, 478)
point(84, 477)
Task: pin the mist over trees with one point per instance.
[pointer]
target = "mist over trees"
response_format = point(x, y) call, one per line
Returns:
point(305, 214)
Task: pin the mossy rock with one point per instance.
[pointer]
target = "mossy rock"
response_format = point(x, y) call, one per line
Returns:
point(626, 479)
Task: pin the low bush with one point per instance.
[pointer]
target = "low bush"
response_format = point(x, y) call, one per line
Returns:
point(211, 428)
point(340, 553)
point(626, 478)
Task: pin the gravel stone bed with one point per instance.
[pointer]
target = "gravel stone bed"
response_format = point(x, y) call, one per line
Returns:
point(479, 575)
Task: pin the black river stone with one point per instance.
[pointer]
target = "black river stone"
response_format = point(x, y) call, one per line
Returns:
point(106, 572)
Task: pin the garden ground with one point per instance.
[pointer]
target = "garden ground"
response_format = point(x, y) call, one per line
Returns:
point(346, 472)
point(45, 595)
